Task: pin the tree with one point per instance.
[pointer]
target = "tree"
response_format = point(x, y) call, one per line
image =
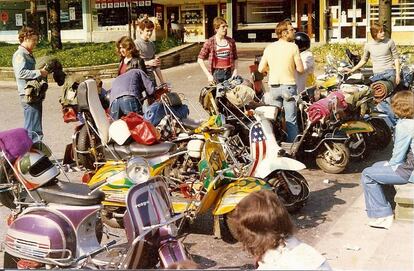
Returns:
point(32, 20)
point(385, 16)
point(53, 7)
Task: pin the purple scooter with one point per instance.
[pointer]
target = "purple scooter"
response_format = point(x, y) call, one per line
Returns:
point(55, 224)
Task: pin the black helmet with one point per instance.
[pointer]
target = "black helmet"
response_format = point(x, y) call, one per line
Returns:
point(302, 40)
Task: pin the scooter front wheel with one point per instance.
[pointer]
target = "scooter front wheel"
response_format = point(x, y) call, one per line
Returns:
point(332, 157)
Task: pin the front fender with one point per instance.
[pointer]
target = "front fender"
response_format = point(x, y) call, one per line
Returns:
point(268, 165)
point(235, 191)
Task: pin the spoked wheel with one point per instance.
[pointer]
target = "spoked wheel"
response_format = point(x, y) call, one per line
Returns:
point(291, 187)
point(332, 157)
point(382, 135)
point(83, 144)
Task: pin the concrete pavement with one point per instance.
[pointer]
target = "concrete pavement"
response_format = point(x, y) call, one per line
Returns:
point(351, 244)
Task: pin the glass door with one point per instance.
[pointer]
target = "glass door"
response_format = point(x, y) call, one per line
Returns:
point(349, 19)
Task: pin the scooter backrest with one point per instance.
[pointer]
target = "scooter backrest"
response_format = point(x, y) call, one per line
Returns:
point(267, 112)
point(89, 90)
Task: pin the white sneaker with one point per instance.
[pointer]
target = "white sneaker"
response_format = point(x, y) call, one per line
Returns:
point(382, 222)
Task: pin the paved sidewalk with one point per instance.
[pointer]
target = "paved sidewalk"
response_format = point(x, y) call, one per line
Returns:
point(352, 245)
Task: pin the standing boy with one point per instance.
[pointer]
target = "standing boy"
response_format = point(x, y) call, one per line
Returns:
point(220, 50)
point(147, 50)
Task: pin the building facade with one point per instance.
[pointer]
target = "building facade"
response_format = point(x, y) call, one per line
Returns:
point(249, 20)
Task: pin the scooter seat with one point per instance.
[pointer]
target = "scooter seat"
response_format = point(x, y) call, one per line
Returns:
point(66, 193)
point(136, 149)
point(191, 123)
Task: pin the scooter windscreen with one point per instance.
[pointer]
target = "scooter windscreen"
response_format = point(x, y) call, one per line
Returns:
point(148, 204)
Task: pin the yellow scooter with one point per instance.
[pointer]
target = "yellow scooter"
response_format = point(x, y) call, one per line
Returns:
point(217, 189)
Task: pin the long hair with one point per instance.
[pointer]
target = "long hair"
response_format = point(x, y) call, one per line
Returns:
point(402, 103)
point(127, 43)
point(261, 222)
point(376, 28)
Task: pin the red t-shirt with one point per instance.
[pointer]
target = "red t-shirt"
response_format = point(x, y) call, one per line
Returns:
point(123, 68)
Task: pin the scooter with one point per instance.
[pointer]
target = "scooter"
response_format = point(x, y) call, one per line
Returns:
point(93, 141)
point(55, 224)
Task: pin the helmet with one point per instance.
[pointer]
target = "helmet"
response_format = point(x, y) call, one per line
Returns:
point(36, 169)
point(302, 40)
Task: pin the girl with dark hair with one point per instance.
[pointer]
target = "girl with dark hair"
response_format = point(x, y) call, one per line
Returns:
point(263, 225)
point(398, 170)
point(129, 54)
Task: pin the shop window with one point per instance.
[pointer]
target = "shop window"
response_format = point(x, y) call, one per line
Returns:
point(14, 12)
point(111, 16)
point(270, 11)
point(402, 13)
point(71, 14)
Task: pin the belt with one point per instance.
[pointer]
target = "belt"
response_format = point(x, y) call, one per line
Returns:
point(220, 69)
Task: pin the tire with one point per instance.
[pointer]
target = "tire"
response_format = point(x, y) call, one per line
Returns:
point(382, 135)
point(292, 202)
point(362, 151)
point(335, 162)
point(227, 229)
point(6, 174)
point(83, 144)
point(9, 261)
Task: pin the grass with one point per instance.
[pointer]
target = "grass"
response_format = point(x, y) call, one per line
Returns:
point(78, 54)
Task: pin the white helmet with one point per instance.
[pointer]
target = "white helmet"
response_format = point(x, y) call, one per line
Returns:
point(36, 169)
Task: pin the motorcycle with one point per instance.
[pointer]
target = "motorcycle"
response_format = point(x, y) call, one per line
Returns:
point(55, 224)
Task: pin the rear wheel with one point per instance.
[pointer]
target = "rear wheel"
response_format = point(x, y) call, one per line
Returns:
point(332, 157)
point(227, 229)
point(84, 145)
point(291, 187)
point(382, 135)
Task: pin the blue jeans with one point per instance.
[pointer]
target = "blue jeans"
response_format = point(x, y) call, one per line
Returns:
point(372, 179)
point(385, 106)
point(123, 105)
point(285, 95)
point(33, 119)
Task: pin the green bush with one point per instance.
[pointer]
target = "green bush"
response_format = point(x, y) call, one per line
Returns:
point(338, 51)
point(78, 54)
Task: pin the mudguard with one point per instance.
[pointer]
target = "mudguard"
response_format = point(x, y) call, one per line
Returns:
point(356, 126)
point(235, 191)
point(269, 165)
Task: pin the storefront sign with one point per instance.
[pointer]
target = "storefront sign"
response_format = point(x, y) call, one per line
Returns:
point(148, 3)
point(97, 4)
point(19, 19)
point(64, 16)
point(141, 3)
point(110, 3)
point(376, 2)
point(191, 7)
point(116, 3)
point(103, 4)
point(122, 4)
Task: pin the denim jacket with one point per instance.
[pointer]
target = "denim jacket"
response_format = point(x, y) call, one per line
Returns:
point(404, 139)
point(24, 66)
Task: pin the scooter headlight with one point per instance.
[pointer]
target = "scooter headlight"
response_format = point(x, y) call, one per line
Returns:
point(138, 170)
